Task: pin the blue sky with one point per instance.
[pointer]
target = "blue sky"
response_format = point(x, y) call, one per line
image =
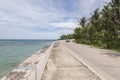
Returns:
point(42, 19)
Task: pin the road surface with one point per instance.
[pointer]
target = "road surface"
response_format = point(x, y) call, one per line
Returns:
point(104, 63)
point(62, 65)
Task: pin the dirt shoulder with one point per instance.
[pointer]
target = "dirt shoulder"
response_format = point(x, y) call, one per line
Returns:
point(63, 66)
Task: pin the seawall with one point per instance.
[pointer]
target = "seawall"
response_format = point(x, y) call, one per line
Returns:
point(32, 68)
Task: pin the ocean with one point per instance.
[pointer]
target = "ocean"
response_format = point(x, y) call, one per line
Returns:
point(13, 52)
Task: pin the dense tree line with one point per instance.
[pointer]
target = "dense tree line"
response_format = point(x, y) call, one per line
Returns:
point(68, 36)
point(102, 28)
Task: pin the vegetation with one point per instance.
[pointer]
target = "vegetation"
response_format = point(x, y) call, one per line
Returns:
point(69, 36)
point(101, 29)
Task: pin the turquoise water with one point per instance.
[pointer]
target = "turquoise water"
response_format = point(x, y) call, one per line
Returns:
point(12, 52)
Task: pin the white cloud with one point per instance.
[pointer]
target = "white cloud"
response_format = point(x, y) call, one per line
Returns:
point(33, 18)
point(64, 24)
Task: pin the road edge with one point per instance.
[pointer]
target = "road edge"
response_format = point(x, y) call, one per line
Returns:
point(86, 65)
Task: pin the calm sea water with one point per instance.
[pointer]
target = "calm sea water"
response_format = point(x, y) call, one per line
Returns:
point(12, 52)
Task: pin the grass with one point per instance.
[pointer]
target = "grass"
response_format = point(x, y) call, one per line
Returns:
point(100, 47)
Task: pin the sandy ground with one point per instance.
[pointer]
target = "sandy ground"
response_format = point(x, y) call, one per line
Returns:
point(63, 66)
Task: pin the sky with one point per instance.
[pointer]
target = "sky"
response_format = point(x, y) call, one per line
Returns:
point(43, 19)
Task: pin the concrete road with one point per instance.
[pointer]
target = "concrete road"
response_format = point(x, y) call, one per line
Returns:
point(62, 65)
point(104, 63)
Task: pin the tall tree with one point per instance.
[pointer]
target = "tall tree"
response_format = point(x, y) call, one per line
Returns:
point(82, 21)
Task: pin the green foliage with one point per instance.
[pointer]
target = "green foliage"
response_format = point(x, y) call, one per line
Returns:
point(102, 29)
point(82, 21)
point(69, 36)
point(63, 37)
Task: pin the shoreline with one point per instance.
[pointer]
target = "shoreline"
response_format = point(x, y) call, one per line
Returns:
point(28, 62)
point(14, 52)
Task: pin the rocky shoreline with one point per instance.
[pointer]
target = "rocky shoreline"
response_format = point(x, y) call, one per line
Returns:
point(27, 67)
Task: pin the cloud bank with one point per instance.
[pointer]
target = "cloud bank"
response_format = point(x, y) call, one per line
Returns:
point(42, 19)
